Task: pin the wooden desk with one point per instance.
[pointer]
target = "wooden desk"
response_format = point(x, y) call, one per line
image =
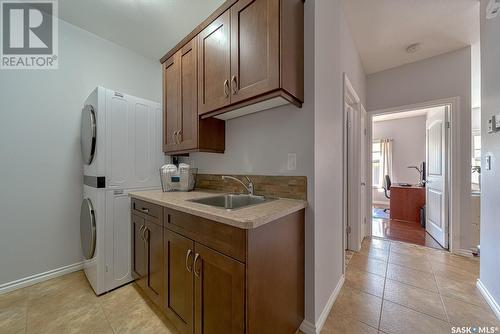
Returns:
point(406, 202)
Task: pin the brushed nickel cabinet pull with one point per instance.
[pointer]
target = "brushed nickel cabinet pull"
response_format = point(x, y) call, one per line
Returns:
point(188, 254)
point(196, 273)
point(226, 88)
point(179, 137)
point(234, 84)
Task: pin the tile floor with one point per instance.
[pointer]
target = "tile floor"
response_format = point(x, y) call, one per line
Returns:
point(394, 287)
point(67, 304)
point(390, 287)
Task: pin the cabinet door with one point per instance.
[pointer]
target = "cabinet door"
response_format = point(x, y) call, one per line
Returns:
point(188, 113)
point(154, 248)
point(219, 293)
point(139, 258)
point(178, 303)
point(214, 65)
point(254, 48)
point(170, 103)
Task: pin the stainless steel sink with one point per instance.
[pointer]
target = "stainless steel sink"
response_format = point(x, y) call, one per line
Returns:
point(232, 201)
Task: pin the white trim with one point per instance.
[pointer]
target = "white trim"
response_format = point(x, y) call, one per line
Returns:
point(495, 307)
point(455, 204)
point(37, 278)
point(463, 252)
point(307, 327)
point(381, 202)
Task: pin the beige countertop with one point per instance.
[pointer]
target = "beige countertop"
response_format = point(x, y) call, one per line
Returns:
point(245, 218)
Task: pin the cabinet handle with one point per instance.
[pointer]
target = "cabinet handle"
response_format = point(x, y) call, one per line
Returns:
point(173, 136)
point(226, 88)
point(234, 84)
point(196, 273)
point(146, 237)
point(179, 137)
point(140, 231)
point(145, 210)
point(188, 254)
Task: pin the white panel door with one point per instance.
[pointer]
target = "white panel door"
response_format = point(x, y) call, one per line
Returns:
point(436, 176)
point(118, 129)
point(118, 239)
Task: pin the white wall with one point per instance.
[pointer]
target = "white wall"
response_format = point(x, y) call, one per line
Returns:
point(490, 192)
point(439, 77)
point(260, 143)
point(41, 168)
point(408, 135)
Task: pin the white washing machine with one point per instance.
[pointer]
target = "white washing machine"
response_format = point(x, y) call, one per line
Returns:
point(121, 149)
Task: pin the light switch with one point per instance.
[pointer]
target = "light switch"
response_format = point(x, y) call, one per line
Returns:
point(292, 161)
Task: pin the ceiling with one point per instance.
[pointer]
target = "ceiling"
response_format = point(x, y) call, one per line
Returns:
point(149, 27)
point(383, 29)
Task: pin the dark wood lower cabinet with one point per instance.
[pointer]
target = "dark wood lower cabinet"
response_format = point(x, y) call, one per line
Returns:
point(212, 278)
point(179, 281)
point(219, 293)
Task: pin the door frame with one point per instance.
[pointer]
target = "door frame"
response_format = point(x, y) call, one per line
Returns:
point(351, 213)
point(454, 153)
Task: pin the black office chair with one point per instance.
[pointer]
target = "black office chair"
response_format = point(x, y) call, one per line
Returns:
point(387, 188)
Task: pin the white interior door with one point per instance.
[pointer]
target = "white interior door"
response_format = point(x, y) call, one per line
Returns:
point(437, 166)
point(362, 166)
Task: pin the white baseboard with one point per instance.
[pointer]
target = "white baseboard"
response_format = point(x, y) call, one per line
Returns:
point(309, 328)
point(37, 278)
point(464, 252)
point(489, 298)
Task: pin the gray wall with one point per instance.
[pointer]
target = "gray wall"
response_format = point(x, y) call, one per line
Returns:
point(41, 168)
point(490, 192)
point(444, 76)
point(408, 136)
point(260, 143)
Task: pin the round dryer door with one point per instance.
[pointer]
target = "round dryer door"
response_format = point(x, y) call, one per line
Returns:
point(87, 229)
point(88, 134)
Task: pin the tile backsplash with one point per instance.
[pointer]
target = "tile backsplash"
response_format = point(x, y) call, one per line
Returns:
point(278, 186)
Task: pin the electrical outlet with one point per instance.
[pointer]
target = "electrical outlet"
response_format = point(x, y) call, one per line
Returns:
point(292, 161)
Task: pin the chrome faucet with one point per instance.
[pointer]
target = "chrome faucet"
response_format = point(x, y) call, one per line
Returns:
point(250, 186)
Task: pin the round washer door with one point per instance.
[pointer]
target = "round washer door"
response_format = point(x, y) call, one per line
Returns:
point(87, 229)
point(88, 134)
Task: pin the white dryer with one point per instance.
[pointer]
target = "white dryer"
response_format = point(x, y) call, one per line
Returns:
point(121, 150)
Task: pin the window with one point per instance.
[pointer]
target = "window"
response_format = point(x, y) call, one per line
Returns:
point(376, 156)
point(476, 161)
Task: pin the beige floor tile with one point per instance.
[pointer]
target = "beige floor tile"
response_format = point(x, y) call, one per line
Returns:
point(128, 312)
point(73, 319)
point(375, 253)
point(452, 272)
point(407, 249)
point(465, 291)
point(13, 309)
point(397, 319)
point(375, 243)
point(470, 265)
point(340, 324)
point(417, 278)
point(358, 305)
point(364, 281)
point(368, 264)
point(464, 314)
point(415, 298)
point(411, 261)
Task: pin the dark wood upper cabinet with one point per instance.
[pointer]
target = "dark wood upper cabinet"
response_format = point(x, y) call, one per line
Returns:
point(214, 64)
point(170, 103)
point(219, 293)
point(183, 131)
point(178, 303)
point(250, 57)
point(254, 48)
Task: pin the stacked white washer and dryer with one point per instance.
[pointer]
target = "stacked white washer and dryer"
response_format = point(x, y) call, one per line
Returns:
point(121, 149)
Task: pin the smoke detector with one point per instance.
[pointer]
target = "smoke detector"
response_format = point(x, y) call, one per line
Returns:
point(492, 9)
point(412, 48)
